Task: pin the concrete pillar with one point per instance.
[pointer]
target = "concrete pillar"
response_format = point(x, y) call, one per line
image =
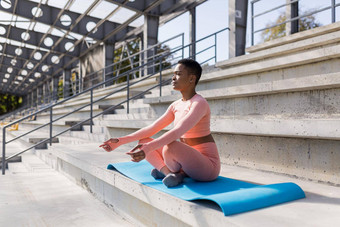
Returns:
point(192, 32)
point(55, 81)
point(25, 100)
point(150, 37)
point(109, 56)
point(66, 83)
point(28, 100)
point(39, 95)
point(238, 10)
point(292, 10)
point(46, 92)
point(81, 78)
point(34, 97)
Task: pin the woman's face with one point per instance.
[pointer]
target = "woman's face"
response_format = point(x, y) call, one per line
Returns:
point(181, 79)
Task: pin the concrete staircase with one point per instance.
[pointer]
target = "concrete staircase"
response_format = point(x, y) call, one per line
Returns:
point(275, 118)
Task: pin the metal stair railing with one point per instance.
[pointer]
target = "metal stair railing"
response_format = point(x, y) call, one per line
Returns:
point(331, 6)
point(151, 63)
point(117, 65)
point(102, 73)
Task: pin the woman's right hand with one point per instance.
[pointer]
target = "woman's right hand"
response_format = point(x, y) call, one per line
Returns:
point(110, 144)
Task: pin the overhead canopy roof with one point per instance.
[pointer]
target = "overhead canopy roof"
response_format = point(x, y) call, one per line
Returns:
point(41, 38)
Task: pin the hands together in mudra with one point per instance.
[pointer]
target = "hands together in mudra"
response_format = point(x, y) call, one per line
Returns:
point(113, 143)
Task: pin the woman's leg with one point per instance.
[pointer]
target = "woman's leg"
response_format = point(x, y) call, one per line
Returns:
point(179, 156)
point(155, 157)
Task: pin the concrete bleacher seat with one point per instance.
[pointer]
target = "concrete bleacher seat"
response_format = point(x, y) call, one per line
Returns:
point(275, 117)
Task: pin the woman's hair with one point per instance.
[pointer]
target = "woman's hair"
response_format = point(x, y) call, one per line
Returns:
point(193, 67)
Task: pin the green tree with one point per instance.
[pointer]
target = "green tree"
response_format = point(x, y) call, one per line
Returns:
point(9, 103)
point(130, 49)
point(305, 23)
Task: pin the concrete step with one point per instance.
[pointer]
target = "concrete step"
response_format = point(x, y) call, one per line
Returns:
point(99, 134)
point(36, 140)
point(314, 82)
point(86, 165)
point(306, 148)
point(110, 109)
point(313, 96)
point(80, 103)
point(62, 111)
point(34, 194)
point(166, 90)
point(83, 138)
point(133, 109)
point(327, 129)
point(294, 38)
point(93, 137)
point(312, 39)
point(56, 127)
point(130, 116)
point(95, 129)
point(29, 139)
point(141, 84)
point(78, 125)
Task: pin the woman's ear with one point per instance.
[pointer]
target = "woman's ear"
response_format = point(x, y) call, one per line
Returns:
point(192, 78)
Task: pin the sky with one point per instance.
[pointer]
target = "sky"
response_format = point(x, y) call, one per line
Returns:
point(212, 16)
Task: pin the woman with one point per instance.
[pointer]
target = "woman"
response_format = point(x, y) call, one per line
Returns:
point(195, 155)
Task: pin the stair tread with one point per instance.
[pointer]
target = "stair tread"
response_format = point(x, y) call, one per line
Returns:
point(94, 160)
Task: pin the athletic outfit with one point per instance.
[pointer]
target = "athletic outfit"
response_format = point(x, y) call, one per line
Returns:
point(191, 120)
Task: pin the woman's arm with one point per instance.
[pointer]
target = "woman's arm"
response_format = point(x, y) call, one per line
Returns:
point(152, 129)
point(142, 133)
point(195, 114)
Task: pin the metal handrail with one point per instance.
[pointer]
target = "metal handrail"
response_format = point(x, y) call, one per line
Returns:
point(136, 54)
point(150, 63)
point(103, 72)
point(253, 16)
point(13, 113)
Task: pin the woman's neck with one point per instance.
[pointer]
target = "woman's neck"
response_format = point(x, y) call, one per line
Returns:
point(188, 95)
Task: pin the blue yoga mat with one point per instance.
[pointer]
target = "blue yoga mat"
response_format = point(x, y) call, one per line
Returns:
point(233, 196)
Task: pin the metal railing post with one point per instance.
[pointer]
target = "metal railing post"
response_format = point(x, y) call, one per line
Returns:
point(182, 46)
point(128, 94)
point(51, 119)
point(252, 23)
point(104, 76)
point(3, 162)
point(215, 47)
point(91, 112)
point(160, 78)
point(333, 11)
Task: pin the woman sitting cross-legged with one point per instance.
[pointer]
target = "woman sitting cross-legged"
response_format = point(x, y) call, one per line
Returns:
point(195, 154)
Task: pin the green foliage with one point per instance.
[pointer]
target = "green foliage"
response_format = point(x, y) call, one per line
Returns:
point(9, 103)
point(305, 23)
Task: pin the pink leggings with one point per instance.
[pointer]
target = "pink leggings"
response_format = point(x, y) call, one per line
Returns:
point(200, 162)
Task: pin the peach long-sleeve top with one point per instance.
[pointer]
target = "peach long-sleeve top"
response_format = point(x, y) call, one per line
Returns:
point(191, 119)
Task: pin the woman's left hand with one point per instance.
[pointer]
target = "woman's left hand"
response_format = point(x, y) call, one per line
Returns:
point(136, 156)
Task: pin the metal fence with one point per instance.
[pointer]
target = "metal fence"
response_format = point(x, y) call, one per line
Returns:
point(295, 17)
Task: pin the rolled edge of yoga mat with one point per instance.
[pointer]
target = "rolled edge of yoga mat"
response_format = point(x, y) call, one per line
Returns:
point(257, 197)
